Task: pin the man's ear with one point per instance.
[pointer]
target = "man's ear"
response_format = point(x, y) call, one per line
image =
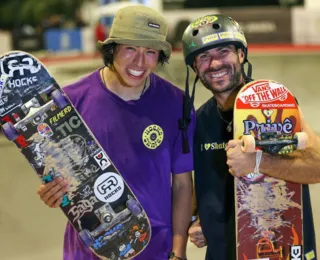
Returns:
point(241, 55)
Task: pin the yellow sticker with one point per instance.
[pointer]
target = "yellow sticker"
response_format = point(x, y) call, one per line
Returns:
point(152, 136)
point(226, 35)
point(310, 256)
point(210, 38)
point(240, 36)
point(208, 19)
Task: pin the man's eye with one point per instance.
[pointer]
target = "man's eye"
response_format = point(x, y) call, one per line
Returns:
point(225, 51)
point(203, 56)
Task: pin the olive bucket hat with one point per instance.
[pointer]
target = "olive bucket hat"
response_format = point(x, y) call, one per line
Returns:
point(141, 26)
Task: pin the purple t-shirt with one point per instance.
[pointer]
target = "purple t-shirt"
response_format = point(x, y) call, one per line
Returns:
point(128, 132)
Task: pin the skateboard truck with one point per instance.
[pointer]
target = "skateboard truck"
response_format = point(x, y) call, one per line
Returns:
point(110, 219)
point(271, 144)
point(33, 110)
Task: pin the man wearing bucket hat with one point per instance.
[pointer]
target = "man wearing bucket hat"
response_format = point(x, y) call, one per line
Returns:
point(215, 47)
point(120, 102)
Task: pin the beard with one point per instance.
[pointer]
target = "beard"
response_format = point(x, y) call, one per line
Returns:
point(224, 85)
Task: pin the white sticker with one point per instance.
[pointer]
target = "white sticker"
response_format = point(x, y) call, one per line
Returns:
point(102, 160)
point(296, 252)
point(109, 187)
point(22, 63)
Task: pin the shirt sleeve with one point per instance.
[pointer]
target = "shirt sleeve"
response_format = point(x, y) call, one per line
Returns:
point(180, 162)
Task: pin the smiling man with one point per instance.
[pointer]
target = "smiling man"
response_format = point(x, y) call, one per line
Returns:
point(215, 48)
point(134, 114)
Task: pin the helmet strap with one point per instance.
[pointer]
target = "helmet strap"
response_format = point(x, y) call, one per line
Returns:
point(246, 76)
point(186, 113)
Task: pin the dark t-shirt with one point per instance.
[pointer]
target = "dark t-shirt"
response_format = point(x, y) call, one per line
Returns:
point(214, 186)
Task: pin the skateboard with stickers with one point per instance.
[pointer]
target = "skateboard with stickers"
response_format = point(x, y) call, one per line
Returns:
point(39, 119)
point(268, 210)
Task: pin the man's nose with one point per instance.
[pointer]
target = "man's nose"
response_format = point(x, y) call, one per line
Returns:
point(139, 58)
point(215, 64)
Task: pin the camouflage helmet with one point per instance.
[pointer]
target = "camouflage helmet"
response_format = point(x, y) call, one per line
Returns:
point(211, 31)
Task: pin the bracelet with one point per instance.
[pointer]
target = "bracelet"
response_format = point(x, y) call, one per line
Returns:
point(172, 255)
point(258, 161)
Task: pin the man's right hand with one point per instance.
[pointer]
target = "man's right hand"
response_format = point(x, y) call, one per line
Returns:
point(196, 235)
point(51, 193)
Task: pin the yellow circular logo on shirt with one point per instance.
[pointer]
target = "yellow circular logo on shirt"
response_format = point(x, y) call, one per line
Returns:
point(152, 136)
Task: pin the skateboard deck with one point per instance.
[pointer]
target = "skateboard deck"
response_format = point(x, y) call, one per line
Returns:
point(39, 119)
point(268, 210)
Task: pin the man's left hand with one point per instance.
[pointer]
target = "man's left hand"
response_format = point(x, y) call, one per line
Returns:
point(240, 163)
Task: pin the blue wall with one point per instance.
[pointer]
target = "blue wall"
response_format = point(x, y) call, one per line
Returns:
point(63, 40)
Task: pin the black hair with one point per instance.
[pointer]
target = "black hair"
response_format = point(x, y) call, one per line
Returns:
point(108, 50)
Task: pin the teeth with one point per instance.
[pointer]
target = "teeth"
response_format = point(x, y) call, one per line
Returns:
point(218, 75)
point(136, 73)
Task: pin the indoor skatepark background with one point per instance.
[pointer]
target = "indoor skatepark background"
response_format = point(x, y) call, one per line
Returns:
point(30, 230)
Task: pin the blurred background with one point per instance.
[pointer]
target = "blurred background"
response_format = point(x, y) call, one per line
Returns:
point(284, 45)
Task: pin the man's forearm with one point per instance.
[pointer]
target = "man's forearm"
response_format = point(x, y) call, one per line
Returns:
point(181, 216)
point(301, 166)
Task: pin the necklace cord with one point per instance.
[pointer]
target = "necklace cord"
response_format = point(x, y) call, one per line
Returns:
point(229, 127)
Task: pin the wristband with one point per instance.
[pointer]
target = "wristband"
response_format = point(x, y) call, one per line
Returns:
point(173, 256)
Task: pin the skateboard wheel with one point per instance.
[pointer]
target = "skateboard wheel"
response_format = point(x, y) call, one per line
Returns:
point(302, 140)
point(134, 207)
point(9, 131)
point(86, 237)
point(248, 144)
point(59, 99)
